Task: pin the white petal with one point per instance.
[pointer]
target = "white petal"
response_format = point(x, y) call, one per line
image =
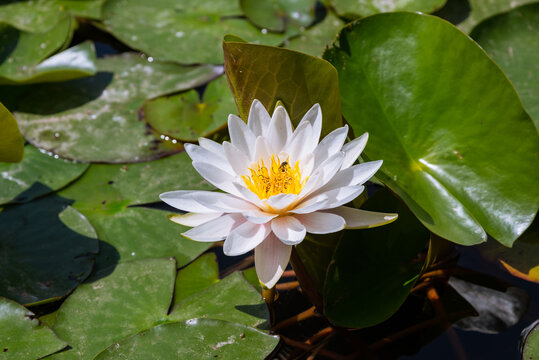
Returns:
point(205, 201)
point(215, 230)
point(300, 143)
point(280, 201)
point(184, 200)
point(271, 259)
point(259, 119)
point(353, 149)
point(261, 151)
point(216, 176)
point(193, 219)
point(212, 146)
point(314, 117)
point(288, 229)
point(328, 199)
point(245, 238)
point(355, 175)
point(321, 223)
point(279, 130)
point(200, 154)
point(323, 174)
point(258, 216)
point(240, 135)
point(239, 162)
point(248, 195)
point(362, 219)
point(330, 145)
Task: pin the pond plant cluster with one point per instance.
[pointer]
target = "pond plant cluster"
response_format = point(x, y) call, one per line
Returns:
point(91, 267)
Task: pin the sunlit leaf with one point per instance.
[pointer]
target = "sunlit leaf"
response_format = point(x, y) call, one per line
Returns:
point(23, 337)
point(199, 275)
point(456, 143)
point(83, 8)
point(481, 10)
point(355, 8)
point(194, 338)
point(530, 346)
point(95, 118)
point(272, 74)
point(511, 40)
point(186, 117)
point(188, 32)
point(277, 15)
point(11, 141)
point(37, 16)
point(373, 270)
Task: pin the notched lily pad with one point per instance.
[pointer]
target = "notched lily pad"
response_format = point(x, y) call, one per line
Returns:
point(95, 119)
point(186, 117)
point(197, 276)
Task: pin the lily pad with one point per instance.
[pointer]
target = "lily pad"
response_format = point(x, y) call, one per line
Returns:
point(135, 297)
point(355, 8)
point(481, 10)
point(199, 275)
point(530, 347)
point(38, 174)
point(511, 41)
point(37, 16)
point(95, 118)
point(373, 270)
point(186, 117)
point(272, 74)
point(316, 39)
point(11, 141)
point(189, 32)
point(46, 250)
point(194, 338)
point(21, 51)
point(73, 63)
point(23, 337)
point(277, 15)
point(460, 169)
point(90, 9)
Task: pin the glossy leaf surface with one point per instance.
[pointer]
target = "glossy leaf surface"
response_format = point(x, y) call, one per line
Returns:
point(189, 32)
point(194, 338)
point(37, 16)
point(272, 74)
point(11, 141)
point(366, 292)
point(438, 138)
point(197, 276)
point(186, 117)
point(95, 118)
point(277, 15)
point(481, 10)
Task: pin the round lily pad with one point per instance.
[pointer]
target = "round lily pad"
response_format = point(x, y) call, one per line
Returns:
point(37, 16)
point(36, 175)
point(315, 40)
point(481, 10)
point(95, 119)
point(355, 8)
point(199, 275)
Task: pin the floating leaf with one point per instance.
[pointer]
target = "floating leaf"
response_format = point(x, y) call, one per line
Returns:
point(355, 8)
point(37, 16)
point(194, 338)
point(316, 39)
point(481, 10)
point(135, 297)
point(186, 117)
point(21, 51)
point(22, 336)
point(189, 32)
point(277, 15)
point(46, 250)
point(38, 174)
point(84, 8)
point(11, 141)
point(447, 154)
point(95, 118)
point(373, 270)
point(512, 42)
point(76, 62)
point(530, 346)
point(272, 74)
point(197, 276)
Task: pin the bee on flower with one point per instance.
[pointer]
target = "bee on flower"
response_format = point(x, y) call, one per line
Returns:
point(278, 184)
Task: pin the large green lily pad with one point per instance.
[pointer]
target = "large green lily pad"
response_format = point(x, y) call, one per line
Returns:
point(316, 39)
point(373, 270)
point(188, 32)
point(135, 297)
point(187, 117)
point(277, 15)
point(459, 150)
point(37, 16)
point(272, 74)
point(355, 8)
point(22, 336)
point(46, 250)
point(194, 339)
point(38, 174)
point(481, 10)
point(11, 141)
point(199, 275)
point(73, 63)
point(84, 8)
point(530, 347)
point(21, 51)
point(512, 42)
point(95, 118)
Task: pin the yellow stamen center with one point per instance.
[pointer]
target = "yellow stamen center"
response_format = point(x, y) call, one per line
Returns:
point(280, 178)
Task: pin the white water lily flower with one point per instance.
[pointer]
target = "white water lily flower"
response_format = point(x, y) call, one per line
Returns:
point(278, 184)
